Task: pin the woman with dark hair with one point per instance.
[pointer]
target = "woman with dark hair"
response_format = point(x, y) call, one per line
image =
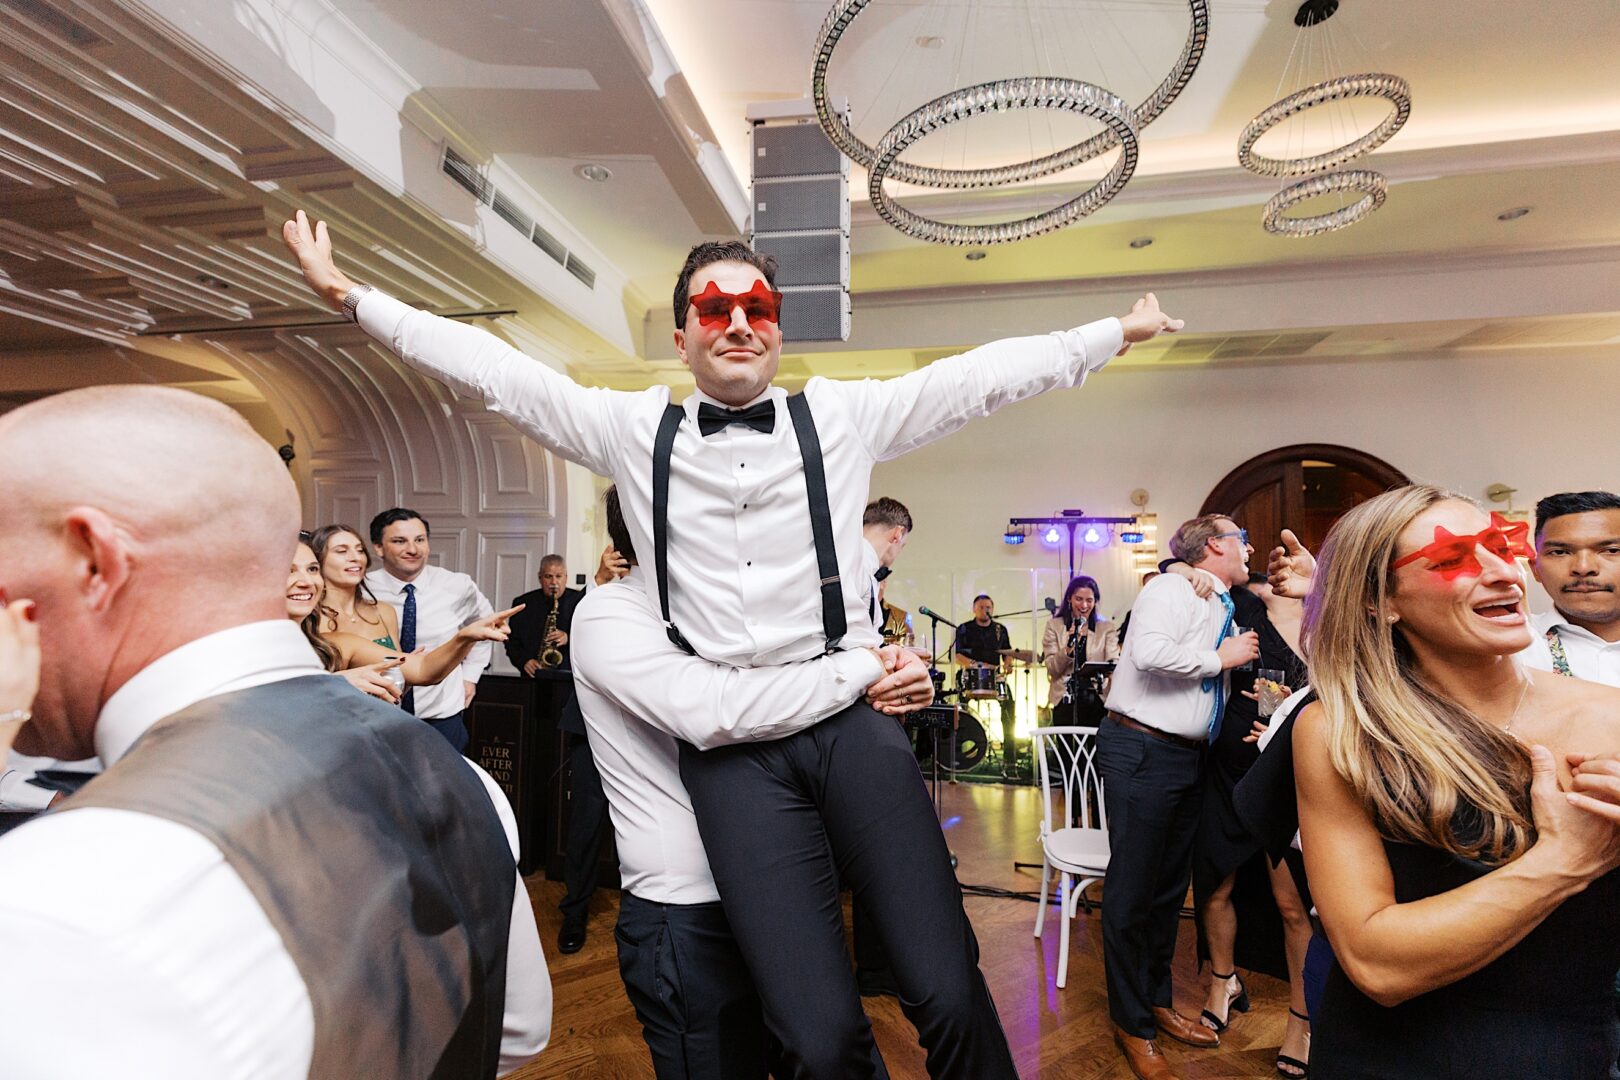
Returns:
point(1468, 888)
point(1076, 620)
point(1249, 911)
point(366, 663)
point(348, 606)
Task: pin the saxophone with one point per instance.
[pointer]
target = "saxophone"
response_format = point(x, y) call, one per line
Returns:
point(551, 656)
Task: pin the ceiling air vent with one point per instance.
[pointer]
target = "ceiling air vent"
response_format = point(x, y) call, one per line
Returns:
point(508, 212)
point(507, 209)
point(550, 245)
point(467, 175)
point(581, 271)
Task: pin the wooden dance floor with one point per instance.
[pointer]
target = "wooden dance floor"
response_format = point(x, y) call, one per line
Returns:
point(1054, 1033)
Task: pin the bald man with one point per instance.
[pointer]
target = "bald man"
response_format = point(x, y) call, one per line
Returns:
point(276, 876)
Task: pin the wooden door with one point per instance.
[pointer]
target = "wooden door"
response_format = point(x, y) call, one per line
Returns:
point(1305, 488)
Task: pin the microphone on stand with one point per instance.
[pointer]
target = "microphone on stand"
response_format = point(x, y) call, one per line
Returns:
point(923, 610)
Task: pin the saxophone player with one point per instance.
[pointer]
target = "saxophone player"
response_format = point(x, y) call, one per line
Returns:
point(546, 620)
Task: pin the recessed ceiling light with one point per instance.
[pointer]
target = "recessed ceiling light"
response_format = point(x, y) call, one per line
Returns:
point(594, 173)
point(974, 256)
point(930, 41)
point(1514, 214)
point(1142, 242)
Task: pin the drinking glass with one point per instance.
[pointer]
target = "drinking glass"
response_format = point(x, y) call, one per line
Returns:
point(1270, 688)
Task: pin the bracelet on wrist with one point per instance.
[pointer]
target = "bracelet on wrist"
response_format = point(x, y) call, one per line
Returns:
point(351, 302)
point(23, 715)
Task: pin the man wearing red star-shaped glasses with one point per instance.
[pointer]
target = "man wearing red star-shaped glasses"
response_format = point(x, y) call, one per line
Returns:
point(745, 503)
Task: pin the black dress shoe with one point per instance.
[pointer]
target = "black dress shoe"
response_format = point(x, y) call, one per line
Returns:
point(571, 938)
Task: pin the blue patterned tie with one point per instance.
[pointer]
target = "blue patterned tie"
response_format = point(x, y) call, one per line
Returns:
point(407, 642)
point(1217, 683)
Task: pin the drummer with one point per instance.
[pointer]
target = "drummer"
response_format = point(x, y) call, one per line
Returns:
point(984, 644)
point(1077, 620)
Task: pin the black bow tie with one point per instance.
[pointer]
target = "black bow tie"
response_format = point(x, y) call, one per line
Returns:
point(760, 417)
point(882, 572)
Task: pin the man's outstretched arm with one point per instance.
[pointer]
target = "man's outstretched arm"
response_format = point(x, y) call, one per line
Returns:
point(895, 416)
point(575, 422)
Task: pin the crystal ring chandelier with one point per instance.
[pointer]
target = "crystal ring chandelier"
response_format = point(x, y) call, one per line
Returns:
point(1028, 93)
point(1391, 87)
point(1369, 183)
point(837, 128)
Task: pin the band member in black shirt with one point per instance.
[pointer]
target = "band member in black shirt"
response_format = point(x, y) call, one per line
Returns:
point(977, 645)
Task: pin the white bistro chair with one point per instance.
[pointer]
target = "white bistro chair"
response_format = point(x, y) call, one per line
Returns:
point(1066, 757)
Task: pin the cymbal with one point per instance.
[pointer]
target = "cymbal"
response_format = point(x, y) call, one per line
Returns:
point(1025, 655)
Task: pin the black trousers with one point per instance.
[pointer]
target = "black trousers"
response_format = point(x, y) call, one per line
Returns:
point(587, 830)
point(453, 728)
point(782, 822)
point(1153, 791)
point(686, 979)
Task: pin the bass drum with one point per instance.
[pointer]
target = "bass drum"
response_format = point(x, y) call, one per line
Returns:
point(960, 750)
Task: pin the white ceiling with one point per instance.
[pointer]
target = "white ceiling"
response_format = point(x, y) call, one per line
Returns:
point(113, 217)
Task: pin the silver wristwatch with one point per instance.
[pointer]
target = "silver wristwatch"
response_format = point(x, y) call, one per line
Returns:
point(351, 302)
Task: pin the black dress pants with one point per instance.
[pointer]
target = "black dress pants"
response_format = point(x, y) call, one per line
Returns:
point(1153, 792)
point(686, 979)
point(587, 830)
point(782, 822)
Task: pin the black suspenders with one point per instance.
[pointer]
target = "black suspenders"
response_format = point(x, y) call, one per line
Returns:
point(833, 622)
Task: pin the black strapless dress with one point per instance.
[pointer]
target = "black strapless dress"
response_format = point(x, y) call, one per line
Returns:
point(1543, 1010)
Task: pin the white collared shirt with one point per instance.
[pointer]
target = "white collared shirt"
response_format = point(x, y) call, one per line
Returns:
point(626, 668)
point(1590, 657)
point(446, 600)
point(145, 954)
point(742, 563)
point(1168, 653)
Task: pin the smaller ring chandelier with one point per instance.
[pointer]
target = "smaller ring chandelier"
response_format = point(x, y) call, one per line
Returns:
point(1122, 125)
point(1370, 184)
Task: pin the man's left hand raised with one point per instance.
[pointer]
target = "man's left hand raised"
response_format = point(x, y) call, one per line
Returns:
point(1146, 322)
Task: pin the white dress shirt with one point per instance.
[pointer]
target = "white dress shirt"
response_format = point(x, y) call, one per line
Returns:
point(625, 668)
point(1590, 657)
point(135, 950)
point(1167, 655)
point(446, 600)
point(742, 563)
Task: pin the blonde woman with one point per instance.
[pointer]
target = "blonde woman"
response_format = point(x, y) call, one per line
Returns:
point(1470, 898)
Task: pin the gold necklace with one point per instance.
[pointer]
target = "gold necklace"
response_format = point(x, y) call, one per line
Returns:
point(1514, 715)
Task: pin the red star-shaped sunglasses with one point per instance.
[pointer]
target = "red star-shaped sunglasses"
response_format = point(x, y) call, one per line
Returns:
point(1453, 556)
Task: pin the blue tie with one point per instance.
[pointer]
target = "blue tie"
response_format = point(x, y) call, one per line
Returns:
point(1217, 683)
point(407, 642)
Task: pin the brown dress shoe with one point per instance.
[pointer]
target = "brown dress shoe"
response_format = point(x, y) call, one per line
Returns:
point(1181, 1029)
point(1144, 1057)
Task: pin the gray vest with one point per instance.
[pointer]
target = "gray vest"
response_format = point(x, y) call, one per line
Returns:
point(374, 851)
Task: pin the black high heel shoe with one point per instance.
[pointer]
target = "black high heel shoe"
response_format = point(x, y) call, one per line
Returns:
point(1304, 1067)
point(1234, 1003)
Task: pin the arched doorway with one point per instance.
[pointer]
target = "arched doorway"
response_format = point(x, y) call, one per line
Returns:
point(1305, 488)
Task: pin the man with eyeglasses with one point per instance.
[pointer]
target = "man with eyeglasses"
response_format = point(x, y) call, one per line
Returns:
point(746, 503)
point(1165, 704)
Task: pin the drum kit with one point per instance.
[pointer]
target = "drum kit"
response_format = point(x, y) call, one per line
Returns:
point(965, 742)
